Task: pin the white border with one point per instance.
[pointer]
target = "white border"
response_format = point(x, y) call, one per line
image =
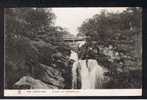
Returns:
point(75, 92)
point(67, 92)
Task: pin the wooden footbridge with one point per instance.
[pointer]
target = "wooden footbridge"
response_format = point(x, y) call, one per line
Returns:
point(73, 39)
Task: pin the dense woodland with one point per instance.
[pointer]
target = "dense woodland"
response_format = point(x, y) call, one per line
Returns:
point(118, 37)
point(34, 46)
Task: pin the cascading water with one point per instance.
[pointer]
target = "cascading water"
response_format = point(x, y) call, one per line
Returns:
point(86, 74)
point(74, 56)
point(91, 74)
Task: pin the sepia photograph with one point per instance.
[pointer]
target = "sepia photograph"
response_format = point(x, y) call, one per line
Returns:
point(73, 51)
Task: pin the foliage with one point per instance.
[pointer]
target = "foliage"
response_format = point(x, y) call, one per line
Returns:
point(33, 43)
point(117, 36)
point(31, 39)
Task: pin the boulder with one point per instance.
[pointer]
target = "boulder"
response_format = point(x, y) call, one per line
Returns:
point(52, 76)
point(32, 83)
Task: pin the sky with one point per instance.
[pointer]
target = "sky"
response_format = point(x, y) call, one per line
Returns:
point(72, 18)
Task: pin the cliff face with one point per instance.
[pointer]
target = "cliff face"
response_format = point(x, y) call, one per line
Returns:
point(39, 60)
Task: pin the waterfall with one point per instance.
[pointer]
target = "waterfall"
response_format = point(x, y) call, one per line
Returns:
point(86, 74)
point(74, 56)
point(90, 74)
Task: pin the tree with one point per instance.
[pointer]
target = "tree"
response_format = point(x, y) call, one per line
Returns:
point(31, 39)
point(122, 32)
